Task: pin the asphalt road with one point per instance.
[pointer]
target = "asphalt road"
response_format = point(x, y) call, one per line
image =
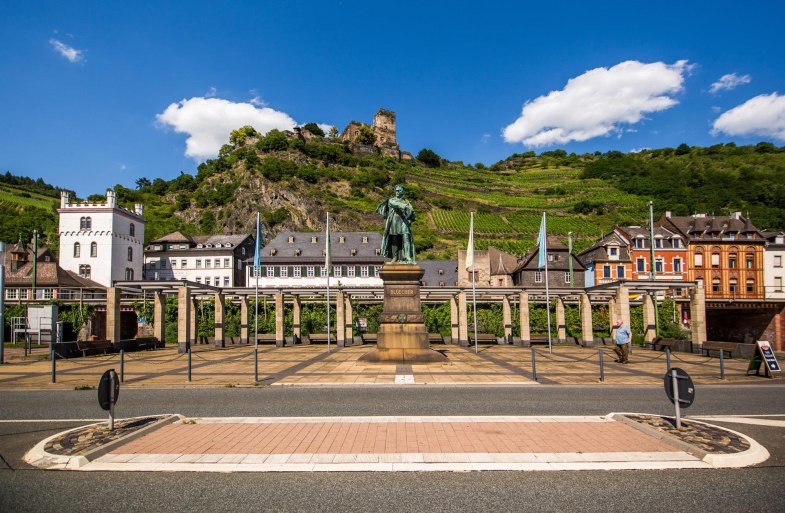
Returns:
point(26, 489)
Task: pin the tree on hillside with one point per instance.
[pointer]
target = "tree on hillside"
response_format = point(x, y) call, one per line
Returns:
point(143, 182)
point(275, 140)
point(365, 135)
point(238, 137)
point(333, 133)
point(314, 129)
point(683, 149)
point(429, 158)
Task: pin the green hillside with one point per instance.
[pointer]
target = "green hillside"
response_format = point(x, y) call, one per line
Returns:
point(27, 205)
point(293, 183)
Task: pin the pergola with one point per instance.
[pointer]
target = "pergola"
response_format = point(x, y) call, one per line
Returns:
point(615, 294)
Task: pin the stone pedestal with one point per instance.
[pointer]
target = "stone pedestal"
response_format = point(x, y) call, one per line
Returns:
point(402, 336)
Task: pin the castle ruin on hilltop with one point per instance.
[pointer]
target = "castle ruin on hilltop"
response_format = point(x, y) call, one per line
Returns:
point(383, 128)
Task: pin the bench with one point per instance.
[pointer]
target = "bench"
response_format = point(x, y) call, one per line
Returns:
point(435, 338)
point(93, 346)
point(320, 338)
point(484, 338)
point(663, 343)
point(720, 347)
point(369, 338)
point(266, 337)
point(146, 343)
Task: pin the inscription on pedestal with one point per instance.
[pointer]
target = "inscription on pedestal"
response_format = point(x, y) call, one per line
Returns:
point(402, 292)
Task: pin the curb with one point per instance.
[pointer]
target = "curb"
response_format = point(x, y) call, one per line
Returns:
point(752, 456)
point(38, 457)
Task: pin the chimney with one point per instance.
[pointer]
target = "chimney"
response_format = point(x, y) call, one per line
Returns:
point(139, 209)
point(111, 198)
point(735, 215)
point(65, 198)
point(668, 214)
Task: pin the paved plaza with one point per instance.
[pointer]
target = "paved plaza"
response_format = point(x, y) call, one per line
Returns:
point(312, 365)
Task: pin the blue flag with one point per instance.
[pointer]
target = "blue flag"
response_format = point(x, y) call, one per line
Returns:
point(257, 256)
point(328, 257)
point(541, 241)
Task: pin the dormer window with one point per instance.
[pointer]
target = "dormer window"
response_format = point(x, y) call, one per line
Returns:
point(378, 251)
point(297, 252)
point(354, 252)
point(441, 272)
point(313, 239)
point(341, 239)
point(199, 246)
point(273, 252)
point(290, 240)
point(657, 243)
point(365, 239)
point(639, 243)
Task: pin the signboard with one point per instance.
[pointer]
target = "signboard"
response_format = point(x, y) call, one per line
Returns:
point(686, 389)
point(764, 354)
point(108, 389)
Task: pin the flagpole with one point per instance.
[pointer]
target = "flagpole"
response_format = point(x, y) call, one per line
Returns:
point(544, 252)
point(327, 269)
point(474, 289)
point(256, 269)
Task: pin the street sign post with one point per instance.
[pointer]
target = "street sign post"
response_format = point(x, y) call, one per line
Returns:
point(108, 392)
point(680, 390)
point(765, 355)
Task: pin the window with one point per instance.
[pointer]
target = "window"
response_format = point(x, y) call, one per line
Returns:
point(310, 271)
point(297, 271)
point(715, 285)
point(537, 276)
point(86, 223)
point(163, 263)
point(341, 239)
point(639, 244)
point(377, 268)
point(733, 285)
point(641, 265)
point(270, 271)
point(620, 271)
point(217, 281)
point(227, 264)
point(778, 284)
point(198, 279)
point(606, 271)
point(11, 293)
point(183, 263)
point(217, 263)
point(337, 270)
point(677, 265)
point(290, 239)
point(284, 271)
point(132, 230)
point(48, 294)
point(676, 243)
point(750, 286)
point(207, 263)
point(365, 239)
point(364, 271)
point(658, 265)
point(777, 261)
point(350, 271)
point(207, 280)
point(715, 260)
point(657, 243)
point(93, 249)
point(84, 271)
point(129, 274)
point(566, 278)
point(378, 251)
point(698, 259)
point(614, 252)
point(732, 261)
point(77, 250)
point(322, 271)
point(226, 281)
point(748, 260)
point(198, 263)
point(313, 240)
point(130, 254)
point(243, 251)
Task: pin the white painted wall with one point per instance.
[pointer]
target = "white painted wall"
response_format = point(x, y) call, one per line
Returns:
point(773, 268)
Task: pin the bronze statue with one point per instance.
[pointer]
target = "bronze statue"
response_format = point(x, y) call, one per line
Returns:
point(397, 242)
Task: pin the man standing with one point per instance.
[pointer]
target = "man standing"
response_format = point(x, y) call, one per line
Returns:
point(397, 243)
point(623, 338)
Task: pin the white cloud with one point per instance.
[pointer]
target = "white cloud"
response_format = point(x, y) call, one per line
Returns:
point(597, 102)
point(209, 121)
point(326, 127)
point(69, 52)
point(728, 82)
point(258, 102)
point(485, 138)
point(763, 116)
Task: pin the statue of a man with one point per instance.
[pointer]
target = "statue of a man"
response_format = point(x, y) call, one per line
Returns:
point(397, 242)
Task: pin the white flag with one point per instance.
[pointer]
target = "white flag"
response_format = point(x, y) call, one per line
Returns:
point(470, 247)
point(328, 258)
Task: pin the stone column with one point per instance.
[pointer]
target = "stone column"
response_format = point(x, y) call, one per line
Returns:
point(192, 321)
point(463, 320)
point(349, 320)
point(526, 333)
point(698, 316)
point(113, 314)
point(219, 320)
point(183, 319)
point(244, 320)
point(649, 331)
point(159, 317)
point(279, 318)
point(561, 322)
point(623, 304)
point(296, 335)
point(587, 324)
point(613, 312)
point(507, 319)
point(454, 320)
point(340, 323)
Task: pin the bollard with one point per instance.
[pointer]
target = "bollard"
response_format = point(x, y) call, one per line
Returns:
point(122, 366)
point(255, 364)
point(534, 364)
point(189, 365)
point(53, 357)
point(668, 358)
point(722, 364)
point(602, 366)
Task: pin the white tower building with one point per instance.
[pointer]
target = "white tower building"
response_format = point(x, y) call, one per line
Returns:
point(99, 241)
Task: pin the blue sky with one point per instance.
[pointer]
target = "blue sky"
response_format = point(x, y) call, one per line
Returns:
point(98, 93)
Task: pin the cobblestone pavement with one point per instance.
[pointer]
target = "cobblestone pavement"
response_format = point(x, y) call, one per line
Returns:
point(313, 365)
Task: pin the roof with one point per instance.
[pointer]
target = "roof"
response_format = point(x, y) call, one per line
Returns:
point(48, 273)
point(559, 263)
point(501, 263)
point(198, 242)
point(309, 247)
point(711, 227)
point(174, 237)
point(598, 251)
point(448, 276)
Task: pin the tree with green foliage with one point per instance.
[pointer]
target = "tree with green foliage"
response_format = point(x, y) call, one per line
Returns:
point(314, 129)
point(238, 137)
point(143, 182)
point(275, 140)
point(429, 158)
point(333, 133)
point(365, 135)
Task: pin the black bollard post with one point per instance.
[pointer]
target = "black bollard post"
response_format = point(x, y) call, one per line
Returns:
point(668, 358)
point(189, 365)
point(722, 364)
point(534, 364)
point(53, 357)
point(602, 366)
point(122, 366)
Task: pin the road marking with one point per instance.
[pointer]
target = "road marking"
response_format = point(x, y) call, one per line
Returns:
point(744, 420)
